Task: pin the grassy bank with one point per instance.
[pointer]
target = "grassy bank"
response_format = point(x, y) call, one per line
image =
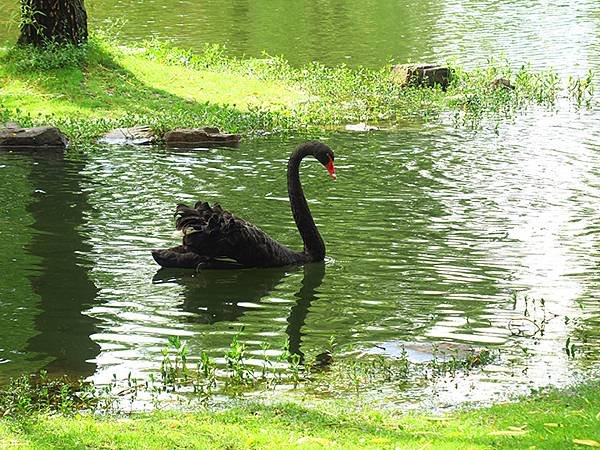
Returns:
point(89, 90)
point(560, 419)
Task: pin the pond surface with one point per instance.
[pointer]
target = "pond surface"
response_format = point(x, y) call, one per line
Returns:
point(435, 235)
point(369, 33)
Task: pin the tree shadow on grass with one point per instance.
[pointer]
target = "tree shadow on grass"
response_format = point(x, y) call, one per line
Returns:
point(92, 84)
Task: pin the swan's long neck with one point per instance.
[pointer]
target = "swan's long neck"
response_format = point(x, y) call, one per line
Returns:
point(314, 247)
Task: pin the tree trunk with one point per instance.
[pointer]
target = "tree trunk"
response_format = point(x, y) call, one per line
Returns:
point(60, 21)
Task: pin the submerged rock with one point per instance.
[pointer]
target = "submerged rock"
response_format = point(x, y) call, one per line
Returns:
point(422, 75)
point(190, 137)
point(138, 135)
point(12, 135)
point(361, 127)
point(323, 360)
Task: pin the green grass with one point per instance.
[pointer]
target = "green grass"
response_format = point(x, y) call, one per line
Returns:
point(556, 420)
point(101, 86)
point(112, 83)
point(90, 89)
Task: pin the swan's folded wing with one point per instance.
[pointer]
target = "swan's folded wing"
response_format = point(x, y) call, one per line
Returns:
point(216, 233)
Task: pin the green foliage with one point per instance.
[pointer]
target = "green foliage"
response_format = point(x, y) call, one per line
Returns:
point(28, 15)
point(54, 56)
point(174, 369)
point(29, 394)
point(51, 57)
point(90, 91)
point(340, 95)
point(178, 376)
point(581, 90)
point(335, 95)
point(477, 94)
point(239, 375)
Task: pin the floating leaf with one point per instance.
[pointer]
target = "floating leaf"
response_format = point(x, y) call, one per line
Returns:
point(509, 433)
point(587, 442)
point(380, 440)
point(521, 428)
point(552, 425)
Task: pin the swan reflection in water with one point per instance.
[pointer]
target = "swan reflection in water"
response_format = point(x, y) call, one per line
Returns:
point(220, 295)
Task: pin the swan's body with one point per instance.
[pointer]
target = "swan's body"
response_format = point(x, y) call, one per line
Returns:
point(215, 238)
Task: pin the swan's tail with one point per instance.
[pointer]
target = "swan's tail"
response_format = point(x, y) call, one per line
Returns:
point(199, 226)
point(215, 238)
point(204, 227)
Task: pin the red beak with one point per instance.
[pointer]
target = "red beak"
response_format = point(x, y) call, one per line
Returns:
point(331, 169)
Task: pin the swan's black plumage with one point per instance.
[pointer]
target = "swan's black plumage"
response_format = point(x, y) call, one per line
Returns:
point(215, 238)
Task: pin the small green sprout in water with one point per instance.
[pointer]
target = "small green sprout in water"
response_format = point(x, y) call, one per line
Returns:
point(234, 357)
point(174, 369)
point(570, 348)
point(28, 394)
point(581, 90)
point(332, 343)
point(534, 319)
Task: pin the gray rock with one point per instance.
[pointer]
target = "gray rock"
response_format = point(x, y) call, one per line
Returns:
point(422, 75)
point(191, 137)
point(12, 135)
point(139, 135)
point(10, 125)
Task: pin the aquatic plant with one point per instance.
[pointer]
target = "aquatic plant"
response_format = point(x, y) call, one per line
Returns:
point(27, 394)
point(173, 369)
point(581, 90)
point(340, 374)
point(177, 376)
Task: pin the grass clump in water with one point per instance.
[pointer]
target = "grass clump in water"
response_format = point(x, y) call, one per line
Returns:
point(202, 378)
point(29, 394)
point(581, 90)
point(187, 380)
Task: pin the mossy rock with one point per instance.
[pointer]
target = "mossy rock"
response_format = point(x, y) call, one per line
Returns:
point(428, 75)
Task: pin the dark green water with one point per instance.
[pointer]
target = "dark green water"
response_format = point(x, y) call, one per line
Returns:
point(429, 234)
point(435, 235)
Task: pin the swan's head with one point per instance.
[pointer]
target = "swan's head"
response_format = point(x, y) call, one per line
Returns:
point(325, 156)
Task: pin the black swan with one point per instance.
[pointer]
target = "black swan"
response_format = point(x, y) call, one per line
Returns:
point(215, 238)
